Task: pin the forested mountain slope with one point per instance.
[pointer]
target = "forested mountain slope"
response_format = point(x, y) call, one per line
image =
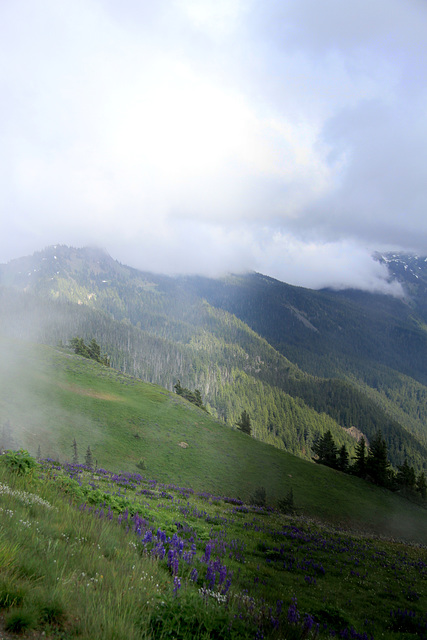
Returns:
point(207, 333)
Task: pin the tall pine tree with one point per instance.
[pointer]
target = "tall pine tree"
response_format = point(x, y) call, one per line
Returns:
point(326, 450)
point(377, 465)
point(359, 466)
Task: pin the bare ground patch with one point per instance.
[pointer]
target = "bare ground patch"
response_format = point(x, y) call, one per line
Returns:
point(82, 391)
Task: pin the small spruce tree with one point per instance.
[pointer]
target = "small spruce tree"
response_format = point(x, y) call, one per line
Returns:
point(244, 423)
point(359, 466)
point(343, 458)
point(377, 464)
point(89, 458)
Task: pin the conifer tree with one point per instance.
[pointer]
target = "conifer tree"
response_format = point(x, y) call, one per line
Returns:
point(406, 476)
point(91, 351)
point(359, 466)
point(89, 458)
point(244, 423)
point(343, 458)
point(178, 388)
point(79, 347)
point(94, 350)
point(326, 450)
point(377, 464)
point(198, 398)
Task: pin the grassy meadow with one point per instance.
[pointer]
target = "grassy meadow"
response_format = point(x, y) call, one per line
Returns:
point(95, 554)
point(162, 537)
point(50, 397)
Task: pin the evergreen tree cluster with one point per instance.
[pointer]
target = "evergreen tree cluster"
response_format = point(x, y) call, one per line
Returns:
point(370, 463)
point(91, 350)
point(192, 396)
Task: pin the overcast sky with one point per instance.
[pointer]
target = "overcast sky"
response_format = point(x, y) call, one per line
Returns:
point(205, 136)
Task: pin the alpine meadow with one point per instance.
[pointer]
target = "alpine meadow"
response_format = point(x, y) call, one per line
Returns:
point(191, 457)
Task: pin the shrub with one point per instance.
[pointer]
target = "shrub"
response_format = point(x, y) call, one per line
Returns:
point(19, 462)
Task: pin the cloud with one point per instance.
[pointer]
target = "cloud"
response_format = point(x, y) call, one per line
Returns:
point(211, 136)
point(336, 265)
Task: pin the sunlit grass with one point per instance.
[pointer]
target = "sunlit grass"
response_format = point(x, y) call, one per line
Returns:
point(125, 421)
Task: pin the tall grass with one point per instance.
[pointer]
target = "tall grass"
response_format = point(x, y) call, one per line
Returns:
point(101, 555)
point(66, 571)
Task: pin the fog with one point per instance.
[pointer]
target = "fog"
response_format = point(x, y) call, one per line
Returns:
point(207, 137)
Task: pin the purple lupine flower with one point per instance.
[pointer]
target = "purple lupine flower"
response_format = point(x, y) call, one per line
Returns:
point(308, 622)
point(275, 622)
point(293, 613)
point(148, 537)
point(176, 585)
point(226, 587)
point(211, 576)
point(194, 575)
point(171, 554)
point(173, 561)
point(175, 565)
point(159, 551)
point(222, 573)
point(161, 535)
point(208, 551)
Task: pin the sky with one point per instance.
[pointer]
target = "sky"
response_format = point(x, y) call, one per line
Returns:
point(287, 137)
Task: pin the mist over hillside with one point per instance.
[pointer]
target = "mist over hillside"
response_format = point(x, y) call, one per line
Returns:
point(299, 361)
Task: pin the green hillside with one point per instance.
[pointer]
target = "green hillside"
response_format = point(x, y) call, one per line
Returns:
point(50, 397)
point(299, 361)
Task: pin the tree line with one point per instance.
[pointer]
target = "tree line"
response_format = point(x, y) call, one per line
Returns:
point(370, 463)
